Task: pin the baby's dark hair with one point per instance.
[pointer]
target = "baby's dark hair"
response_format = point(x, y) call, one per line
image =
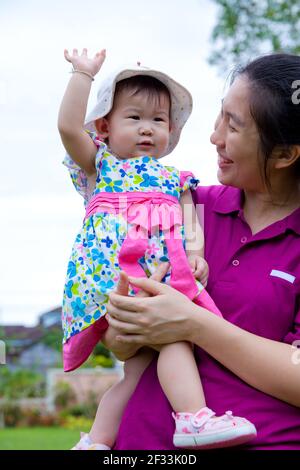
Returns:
point(153, 87)
point(276, 115)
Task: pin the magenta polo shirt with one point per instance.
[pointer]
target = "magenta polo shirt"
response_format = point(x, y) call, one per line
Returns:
point(255, 282)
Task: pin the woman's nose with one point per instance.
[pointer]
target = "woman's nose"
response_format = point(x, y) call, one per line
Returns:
point(217, 137)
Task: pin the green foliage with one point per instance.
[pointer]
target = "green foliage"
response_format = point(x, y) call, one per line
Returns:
point(64, 394)
point(22, 383)
point(102, 361)
point(100, 350)
point(16, 416)
point(77, 423)
point(86, 409)
point(247, 28)
point(53, 338)
point(80, 416)
point(12, 414)
point(100, 357)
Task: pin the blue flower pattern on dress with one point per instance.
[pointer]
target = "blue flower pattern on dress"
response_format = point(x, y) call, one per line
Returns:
point(93, 269)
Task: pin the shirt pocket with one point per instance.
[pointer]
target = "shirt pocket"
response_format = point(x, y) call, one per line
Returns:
point(265, 307)
point(286, 277)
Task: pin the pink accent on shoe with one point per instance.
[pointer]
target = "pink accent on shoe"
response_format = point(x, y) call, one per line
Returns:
point(202, 416)
point(186, 431)
point(205, 431)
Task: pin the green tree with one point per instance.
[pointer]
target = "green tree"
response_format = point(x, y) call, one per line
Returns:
point(247, 28)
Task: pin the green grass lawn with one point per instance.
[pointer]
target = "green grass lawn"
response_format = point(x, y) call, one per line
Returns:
point(37, 438)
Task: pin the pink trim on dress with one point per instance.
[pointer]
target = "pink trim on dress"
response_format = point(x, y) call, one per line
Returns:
point(184, 175)
point(78, 348)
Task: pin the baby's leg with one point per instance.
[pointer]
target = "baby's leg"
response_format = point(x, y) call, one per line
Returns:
point(113, 402)
point(179, 377)
point(196, 426)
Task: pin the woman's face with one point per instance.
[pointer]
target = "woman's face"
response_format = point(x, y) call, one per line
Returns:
point(237, 141)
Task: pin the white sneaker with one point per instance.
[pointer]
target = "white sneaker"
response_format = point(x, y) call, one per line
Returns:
point(85, 443)
point(203, 431)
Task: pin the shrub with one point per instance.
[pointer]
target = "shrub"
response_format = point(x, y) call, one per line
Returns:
point(34, 417)
point(77, 423)
point(64, 394)
point(22, 383)
point(12, 414)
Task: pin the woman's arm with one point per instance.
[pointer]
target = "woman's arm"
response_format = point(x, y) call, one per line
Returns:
point(169, 316)
point(73, 109)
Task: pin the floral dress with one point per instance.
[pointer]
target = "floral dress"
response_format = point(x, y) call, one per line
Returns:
point(93, 268)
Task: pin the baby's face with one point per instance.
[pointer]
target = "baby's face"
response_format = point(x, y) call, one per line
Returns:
point(139, 125)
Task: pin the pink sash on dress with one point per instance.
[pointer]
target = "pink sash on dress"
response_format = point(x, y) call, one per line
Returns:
point(146, 212)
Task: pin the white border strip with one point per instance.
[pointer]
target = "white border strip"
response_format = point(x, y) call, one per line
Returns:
point(283, 275)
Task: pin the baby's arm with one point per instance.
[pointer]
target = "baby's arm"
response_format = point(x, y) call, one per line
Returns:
point(194, 238)
point(73, 109)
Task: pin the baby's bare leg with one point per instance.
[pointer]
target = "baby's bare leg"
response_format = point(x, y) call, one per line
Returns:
point(113, 402)
point(179, 377)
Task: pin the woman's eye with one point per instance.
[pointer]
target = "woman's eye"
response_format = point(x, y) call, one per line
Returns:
point(158, 119)
point(136, 118)
point(231, 128)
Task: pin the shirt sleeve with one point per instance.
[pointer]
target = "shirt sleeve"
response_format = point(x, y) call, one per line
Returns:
point(187, 181)
point(78, 176)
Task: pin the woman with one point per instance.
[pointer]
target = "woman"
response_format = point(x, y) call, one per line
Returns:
point(248, 359)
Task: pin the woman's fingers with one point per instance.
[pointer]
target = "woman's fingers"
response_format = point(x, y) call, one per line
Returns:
point(123, 284)
point(132, 304)
point(118, 313)
point(132, 339)
point(150, 286)
point(122, 326)
point(160, 272)
point(158, 275)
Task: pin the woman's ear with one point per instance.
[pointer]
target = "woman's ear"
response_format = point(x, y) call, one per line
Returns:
point(286, 156)
point(102, 127)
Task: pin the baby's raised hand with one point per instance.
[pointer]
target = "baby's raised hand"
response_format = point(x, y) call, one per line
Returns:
point(199, 268)
point(84, 63)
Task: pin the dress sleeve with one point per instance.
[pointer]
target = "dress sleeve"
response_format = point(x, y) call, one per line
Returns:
point(78, 175)
point(187, 181)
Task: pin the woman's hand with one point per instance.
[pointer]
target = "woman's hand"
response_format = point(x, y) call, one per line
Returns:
point(166, 317)
point(84, 63)
point(121, 350)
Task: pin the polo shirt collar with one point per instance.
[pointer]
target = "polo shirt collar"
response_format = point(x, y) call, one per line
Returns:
point(293, 221)
point(231, 201)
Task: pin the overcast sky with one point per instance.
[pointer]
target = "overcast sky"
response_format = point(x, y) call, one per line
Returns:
point(40, 210)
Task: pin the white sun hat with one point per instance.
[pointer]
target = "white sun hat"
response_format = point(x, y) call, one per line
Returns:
point(181, 100)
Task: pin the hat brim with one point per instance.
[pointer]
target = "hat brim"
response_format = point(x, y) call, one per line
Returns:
point(181, 100)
